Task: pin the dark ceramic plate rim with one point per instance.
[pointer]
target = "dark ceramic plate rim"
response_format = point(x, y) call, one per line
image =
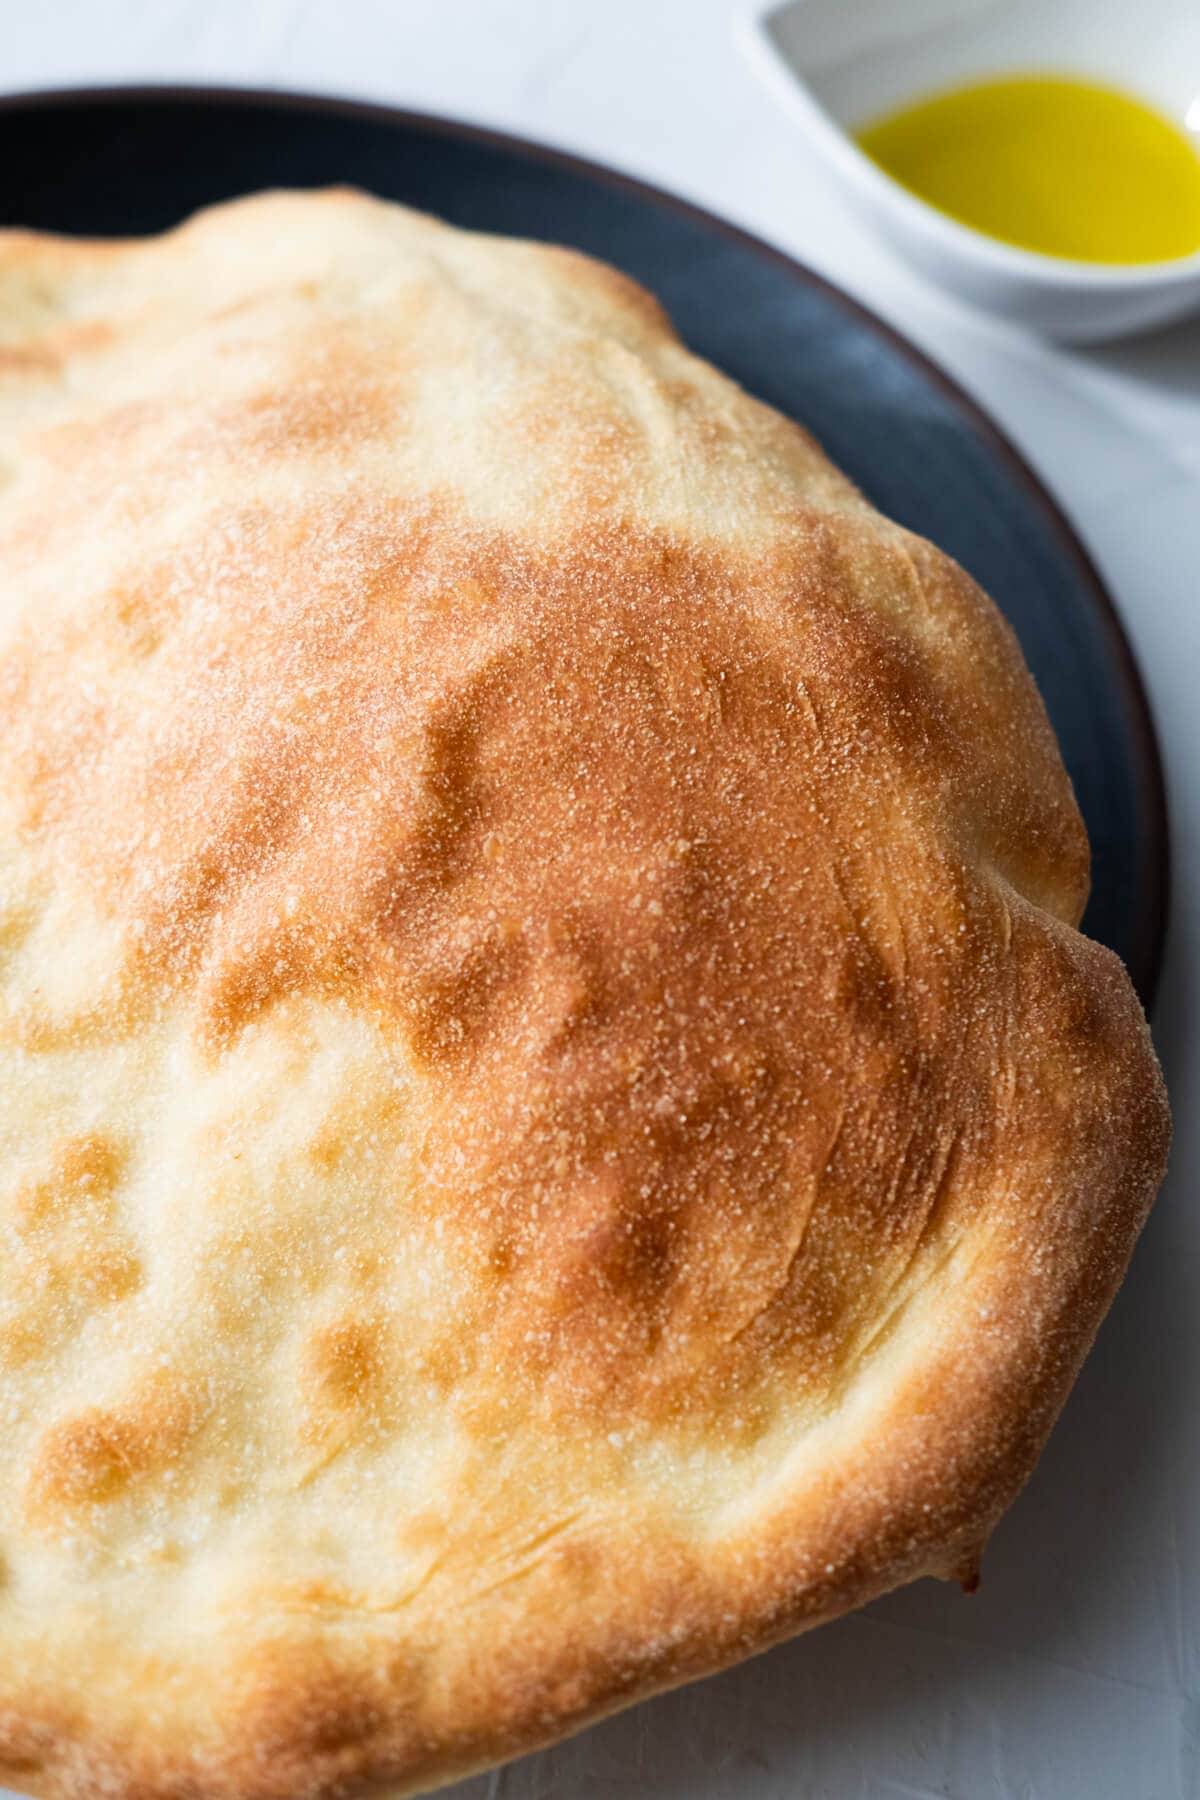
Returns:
point(1145, 961)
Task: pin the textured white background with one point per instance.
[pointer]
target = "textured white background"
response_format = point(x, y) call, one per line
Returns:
point(1076, 1671)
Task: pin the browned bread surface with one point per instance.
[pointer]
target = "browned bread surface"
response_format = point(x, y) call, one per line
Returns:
point(556, 1126)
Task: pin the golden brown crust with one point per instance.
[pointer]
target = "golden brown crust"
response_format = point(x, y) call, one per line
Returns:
point(557, 1125)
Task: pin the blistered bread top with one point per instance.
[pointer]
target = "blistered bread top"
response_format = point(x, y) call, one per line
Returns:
point(555, 1122)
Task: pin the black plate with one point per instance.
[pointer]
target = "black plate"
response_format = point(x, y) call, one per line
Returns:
point(121, 161)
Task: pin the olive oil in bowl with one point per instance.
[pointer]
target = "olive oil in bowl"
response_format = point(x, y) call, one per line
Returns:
point(1064, 167)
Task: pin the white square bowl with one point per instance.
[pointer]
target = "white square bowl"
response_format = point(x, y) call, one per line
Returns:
point(836, 64)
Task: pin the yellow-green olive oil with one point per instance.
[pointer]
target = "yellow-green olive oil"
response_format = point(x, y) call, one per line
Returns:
point(1065, 167)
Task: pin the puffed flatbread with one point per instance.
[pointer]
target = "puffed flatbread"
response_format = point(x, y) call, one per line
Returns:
point(556, 1126)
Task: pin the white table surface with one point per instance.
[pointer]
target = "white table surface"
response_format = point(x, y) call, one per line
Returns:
point(1076, 1670)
